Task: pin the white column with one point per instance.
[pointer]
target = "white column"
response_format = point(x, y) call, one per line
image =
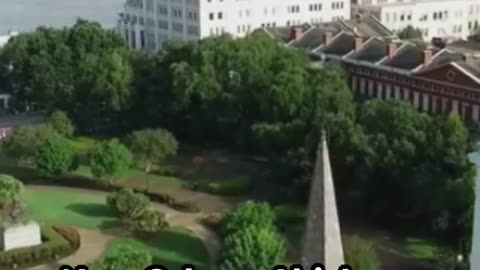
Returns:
point(475, 255)
point(455, 106)
point(425, 102)
point(475, 113)
point(434, 104)
point(380, 90)
point(354, 84)
point(362, 86)
point(416, 102)
point(371, 87)
point(388, 93)
point(406, 94)
point(396, 90)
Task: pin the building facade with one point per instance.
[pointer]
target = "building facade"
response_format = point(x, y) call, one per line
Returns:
point(451, 19)
point(438, 81)
point(147, 24)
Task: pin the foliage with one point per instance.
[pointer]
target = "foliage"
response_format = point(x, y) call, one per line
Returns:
point(247, 214)
point(110, 158)
point(150, 221)
point(125, 257)
point(68, 233)
point(24, 141)
point(150, 145)
point(252, 248)
point(83, 70)
point(290, 213)
point(10, 189)
point(55, 156)
point(412, 166)
point(61, 123)
point(230, 187)
point(410, 32)
point(361, 254)
point(53, 248)
point(128, 204)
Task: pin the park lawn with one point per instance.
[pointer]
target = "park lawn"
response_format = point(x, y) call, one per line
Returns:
point(419, 247)
point(77, 209)
point(83, 145)
point(171, 248)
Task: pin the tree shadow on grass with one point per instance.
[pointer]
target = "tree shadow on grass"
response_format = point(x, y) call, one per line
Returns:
point(91, 209)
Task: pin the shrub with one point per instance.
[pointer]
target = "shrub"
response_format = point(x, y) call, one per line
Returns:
point(167, 199)
point(361, 254)
point(252, 248)
point(128, 204)
point(230, 187)
point(248, 214)
point(55, 156)
point(22, 144)
point(125, 258)
point(109, 159)
point(290, 213)
point(150, 221)
point(53, 248)
point(69, 234)
point(61, 123)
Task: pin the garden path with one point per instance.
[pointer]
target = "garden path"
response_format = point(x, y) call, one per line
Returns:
point(95, 242)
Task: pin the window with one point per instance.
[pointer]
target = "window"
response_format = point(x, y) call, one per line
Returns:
point(341, 5)
point(177, 27)
point(402, 18)
point(220, 15)
point(162, 24)
point(211, 16)
point(192, 30)
point(238, 28)
point(409, 17)
point(434, 15)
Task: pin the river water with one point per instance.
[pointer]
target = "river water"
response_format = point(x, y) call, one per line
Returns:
point(26, 15)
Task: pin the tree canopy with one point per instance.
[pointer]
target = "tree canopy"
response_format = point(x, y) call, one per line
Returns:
point(110, 158)
point(55, 156)
point(410, 32)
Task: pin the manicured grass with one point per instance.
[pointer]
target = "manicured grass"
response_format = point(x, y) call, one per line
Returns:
point(83, 145)
point(172, 248)
point(419, 248)
point(77, 209)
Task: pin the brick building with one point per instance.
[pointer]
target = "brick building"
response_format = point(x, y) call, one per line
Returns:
point(379, 66)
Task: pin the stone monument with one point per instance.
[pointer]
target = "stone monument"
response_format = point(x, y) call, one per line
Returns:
point(20, 235)
point(16, 230)
point(323, 238)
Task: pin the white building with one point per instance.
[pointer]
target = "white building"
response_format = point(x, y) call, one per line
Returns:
point(451, 19)
point(149, 23)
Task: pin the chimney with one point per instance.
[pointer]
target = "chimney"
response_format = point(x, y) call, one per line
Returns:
point(391, 50)
point(327, 39)
point(297, 33)
point(427, 56)
point(358, 42)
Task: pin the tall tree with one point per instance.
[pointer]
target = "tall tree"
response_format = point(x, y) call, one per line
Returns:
point(109, 159)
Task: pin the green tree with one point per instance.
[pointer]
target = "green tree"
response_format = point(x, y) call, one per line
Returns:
point(252, 248)
point(249, 213)
point(151, 145)
point(126, 258)
point(61, 123)
point(84, 70)
point(109, 159)
point(150, 221)
point(22, 144)
point(10, 189)
point(128, 204)
point(410, 32)
point(55, 156)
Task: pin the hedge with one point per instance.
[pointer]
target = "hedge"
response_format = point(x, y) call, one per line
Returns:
point(87, 183)
point(54, 247)
point(290, 213)
point(230, 187)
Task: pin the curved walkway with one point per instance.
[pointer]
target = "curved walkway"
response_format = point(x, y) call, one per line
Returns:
point(95, 242)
